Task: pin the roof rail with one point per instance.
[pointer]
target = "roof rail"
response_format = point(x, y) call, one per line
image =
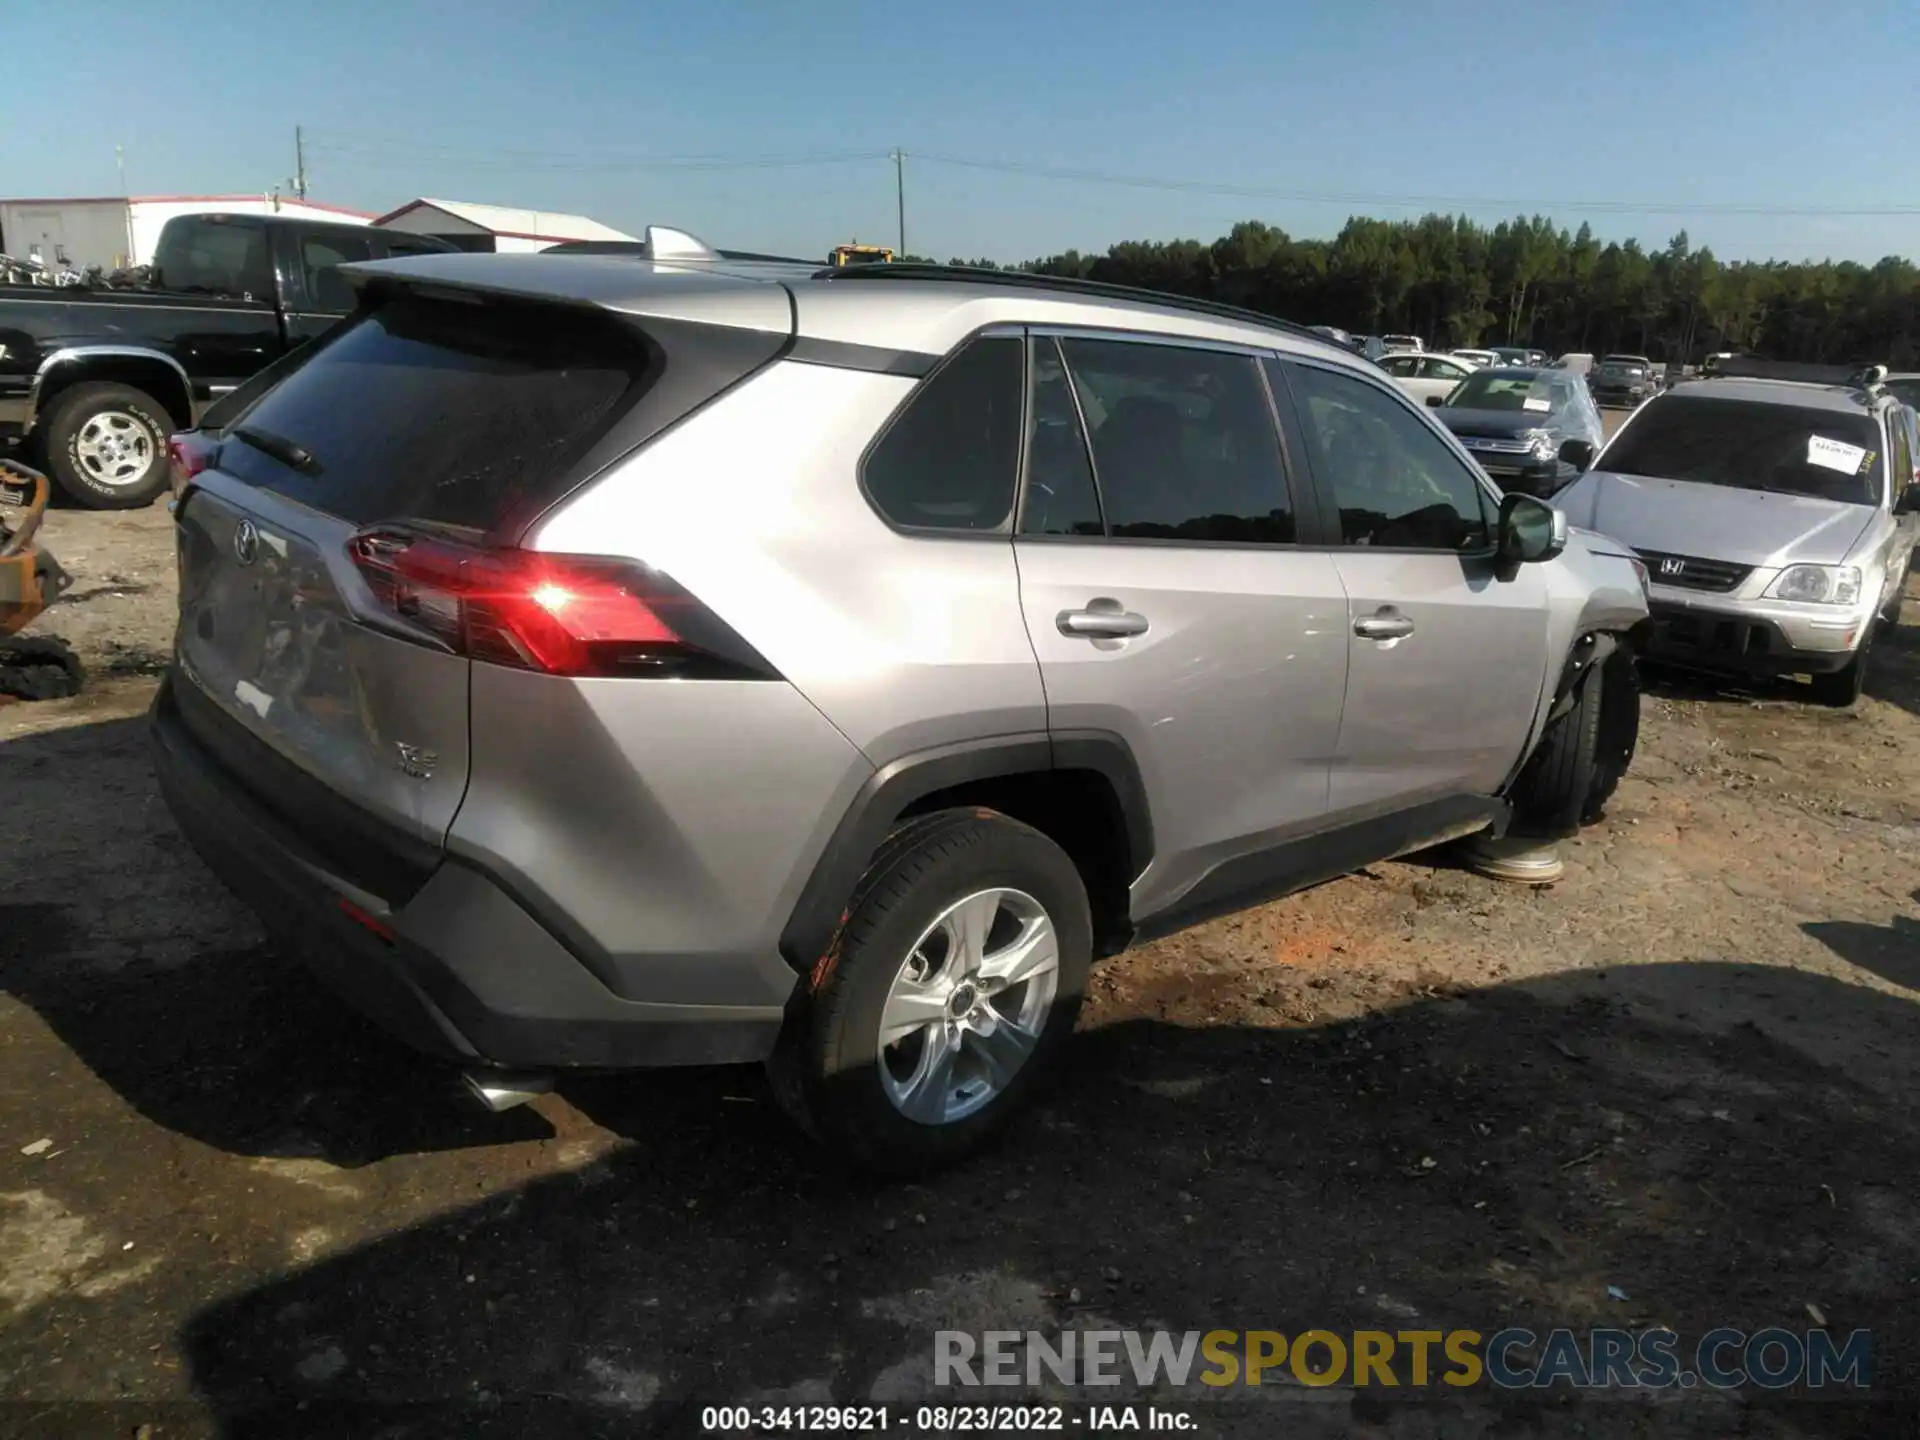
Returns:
point(639, 249)
point(1752, 367)
point(1067, 285)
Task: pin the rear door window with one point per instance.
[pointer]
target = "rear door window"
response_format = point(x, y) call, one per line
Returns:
point(1184, 443)
point(1061, 496)
point(399, 246)
point(459, 414)
point(1753, 445)
point(321, 257)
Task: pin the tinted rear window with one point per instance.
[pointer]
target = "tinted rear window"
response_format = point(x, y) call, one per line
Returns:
point(214, 257)
point(452, 413)
point(1791, 450)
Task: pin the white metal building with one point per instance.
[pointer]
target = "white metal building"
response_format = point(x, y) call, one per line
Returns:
point(122, 230)
point(493, 228)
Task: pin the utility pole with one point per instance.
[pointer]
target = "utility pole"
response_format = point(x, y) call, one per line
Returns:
point(120, 163)
point(299, 163)
point(899, 158)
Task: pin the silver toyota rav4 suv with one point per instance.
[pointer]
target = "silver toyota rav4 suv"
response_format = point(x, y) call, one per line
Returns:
point(593, 661)
point(1777, 512)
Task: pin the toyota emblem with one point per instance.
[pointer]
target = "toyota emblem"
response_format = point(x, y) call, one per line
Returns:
point(246, 542)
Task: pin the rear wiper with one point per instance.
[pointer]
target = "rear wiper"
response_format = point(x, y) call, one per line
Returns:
point(297, 457)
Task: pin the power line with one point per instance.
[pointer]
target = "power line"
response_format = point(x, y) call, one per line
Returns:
point(397, 150)
point(341, 142)
point(1206, 187)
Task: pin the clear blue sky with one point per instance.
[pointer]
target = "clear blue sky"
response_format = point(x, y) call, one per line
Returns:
point(566, 104)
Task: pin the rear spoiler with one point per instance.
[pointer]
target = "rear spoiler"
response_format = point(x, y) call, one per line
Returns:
point(1751, 367)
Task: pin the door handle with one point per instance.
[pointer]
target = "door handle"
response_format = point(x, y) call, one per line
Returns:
point(1101, 624)
point(1383, 624)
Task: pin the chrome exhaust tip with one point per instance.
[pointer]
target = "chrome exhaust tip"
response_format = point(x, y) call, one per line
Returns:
point(501, 1090)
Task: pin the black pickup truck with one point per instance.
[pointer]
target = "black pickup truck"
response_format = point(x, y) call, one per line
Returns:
point(94, 378)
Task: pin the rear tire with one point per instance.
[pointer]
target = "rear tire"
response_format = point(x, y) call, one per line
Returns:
point(898, 964)
point(106, 445)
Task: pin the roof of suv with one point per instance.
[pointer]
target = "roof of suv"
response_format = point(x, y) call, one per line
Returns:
point(1785, 392)
point(924, 309)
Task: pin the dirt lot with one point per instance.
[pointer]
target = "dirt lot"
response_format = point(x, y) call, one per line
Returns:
point(1675, 1088)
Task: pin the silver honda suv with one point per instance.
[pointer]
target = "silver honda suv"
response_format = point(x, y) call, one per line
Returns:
point(612, 661)
point(1777, 510)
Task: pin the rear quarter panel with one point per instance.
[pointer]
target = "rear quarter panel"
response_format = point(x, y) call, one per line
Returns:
point(905, 642)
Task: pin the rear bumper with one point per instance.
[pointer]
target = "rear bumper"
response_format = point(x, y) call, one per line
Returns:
point(1732, 642)
point(460, 969)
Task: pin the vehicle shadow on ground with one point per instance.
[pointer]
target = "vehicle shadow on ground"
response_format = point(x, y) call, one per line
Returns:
point(146, 970)
point(1703, 1138)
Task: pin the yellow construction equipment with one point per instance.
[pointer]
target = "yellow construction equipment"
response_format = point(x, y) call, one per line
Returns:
point(857, 254)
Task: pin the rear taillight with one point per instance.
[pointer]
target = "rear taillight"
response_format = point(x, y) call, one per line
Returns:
point(188, 453)
point(577, 615)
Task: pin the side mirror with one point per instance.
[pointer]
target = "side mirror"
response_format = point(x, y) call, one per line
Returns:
point(1436, 402)
point(1577, 453)
point(1530, 529)
point(1909, 502)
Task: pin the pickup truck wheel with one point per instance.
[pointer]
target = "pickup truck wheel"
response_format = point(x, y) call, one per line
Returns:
point(945, 999)
point(1555, 787)
point(106, 445)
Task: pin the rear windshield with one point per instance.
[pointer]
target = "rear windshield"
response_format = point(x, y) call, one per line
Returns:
point(1508, 390)
point(1748, 445)
point(444, 412)
point(205, 256)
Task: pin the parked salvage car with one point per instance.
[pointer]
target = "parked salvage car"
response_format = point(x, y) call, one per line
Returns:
point(1424, 376)
point(1016, 634)
point(1476, 358)
point(92, 380)
point(1623, 380)
point(1533, 430)
point(1777, 519)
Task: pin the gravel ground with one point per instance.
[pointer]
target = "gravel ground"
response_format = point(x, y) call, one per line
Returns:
point(1409, 1098)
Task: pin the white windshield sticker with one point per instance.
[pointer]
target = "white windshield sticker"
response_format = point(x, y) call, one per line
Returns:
point(1834, 454)
point(253, 697)
point(1532, 404)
